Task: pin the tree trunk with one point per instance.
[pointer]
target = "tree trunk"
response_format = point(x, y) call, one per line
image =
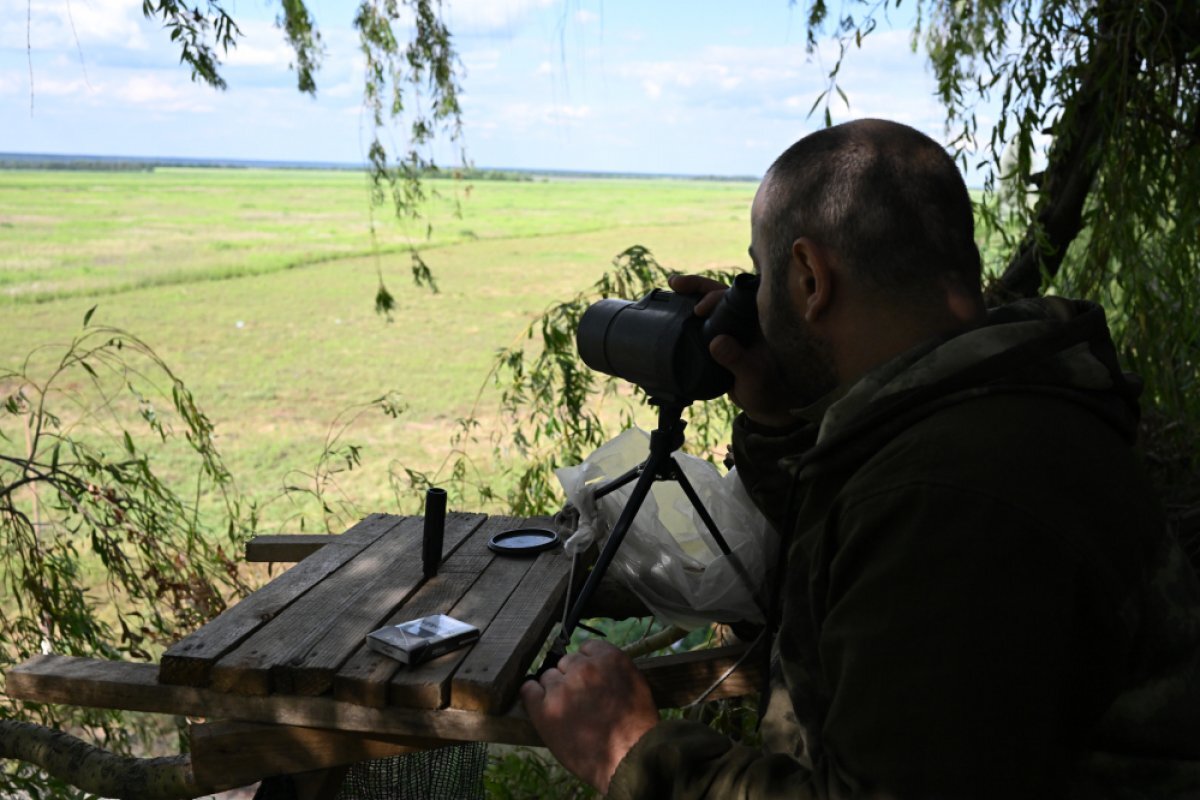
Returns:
point(1080, 139)
point(98, 771)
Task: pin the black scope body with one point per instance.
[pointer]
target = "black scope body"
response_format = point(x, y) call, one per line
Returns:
point(661, 345)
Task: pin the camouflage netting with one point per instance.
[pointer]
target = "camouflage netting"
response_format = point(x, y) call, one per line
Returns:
point(447, 773)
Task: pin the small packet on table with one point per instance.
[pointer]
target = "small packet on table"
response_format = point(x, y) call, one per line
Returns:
point(422, 639)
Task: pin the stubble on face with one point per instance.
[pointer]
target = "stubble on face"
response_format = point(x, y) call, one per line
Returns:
point(803, 360)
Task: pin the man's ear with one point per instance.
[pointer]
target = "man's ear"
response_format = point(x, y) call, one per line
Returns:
point(810, 279)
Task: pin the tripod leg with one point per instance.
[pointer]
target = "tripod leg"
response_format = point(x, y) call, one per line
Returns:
point(711, 524)
point(620, 480)
point(640, 490)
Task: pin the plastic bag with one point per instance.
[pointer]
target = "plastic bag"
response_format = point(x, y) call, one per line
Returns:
point(668, 558)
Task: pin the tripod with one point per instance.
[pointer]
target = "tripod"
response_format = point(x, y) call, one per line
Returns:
point(660, 465)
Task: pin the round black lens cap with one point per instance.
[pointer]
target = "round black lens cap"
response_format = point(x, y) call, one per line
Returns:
point(523, 541)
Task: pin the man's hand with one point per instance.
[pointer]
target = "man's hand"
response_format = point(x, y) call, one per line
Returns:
point(757, 389)
point(590, 710)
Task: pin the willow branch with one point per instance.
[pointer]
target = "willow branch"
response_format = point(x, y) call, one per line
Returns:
point(664, 638)
point(1082, 137)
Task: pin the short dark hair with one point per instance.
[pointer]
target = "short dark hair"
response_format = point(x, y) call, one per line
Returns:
point(888, 202)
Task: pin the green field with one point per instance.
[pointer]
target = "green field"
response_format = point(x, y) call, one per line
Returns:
point(257, 287)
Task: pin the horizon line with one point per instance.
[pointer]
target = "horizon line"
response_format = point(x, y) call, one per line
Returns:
point(244, 163)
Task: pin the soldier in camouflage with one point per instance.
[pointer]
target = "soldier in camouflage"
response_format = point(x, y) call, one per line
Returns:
point(978, 596)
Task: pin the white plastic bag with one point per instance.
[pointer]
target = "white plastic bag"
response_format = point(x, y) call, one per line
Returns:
point(668, 558)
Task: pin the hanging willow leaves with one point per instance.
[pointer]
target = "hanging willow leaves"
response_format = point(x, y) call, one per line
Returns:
point(99, 554)
point(411, 81)
point(553, 410)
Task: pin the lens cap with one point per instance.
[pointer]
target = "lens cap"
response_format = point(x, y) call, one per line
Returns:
point(523, 541)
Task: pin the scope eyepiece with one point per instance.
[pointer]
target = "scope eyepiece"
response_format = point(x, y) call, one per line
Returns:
point(737, 313)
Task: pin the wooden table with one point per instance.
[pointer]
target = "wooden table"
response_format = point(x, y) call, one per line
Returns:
point(288, 674)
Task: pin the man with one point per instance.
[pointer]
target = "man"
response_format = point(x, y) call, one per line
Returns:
point(978, 598)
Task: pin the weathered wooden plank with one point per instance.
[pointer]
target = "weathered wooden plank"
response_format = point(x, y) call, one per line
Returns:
point(429, 685)
point(189, 661)
point(365, 675)
point(239, 753)
point(363, 679)
point(488, 677)
point(311, 670)
point(135, 687)
point(300, 649)
point(287, 547)
point(681, 678)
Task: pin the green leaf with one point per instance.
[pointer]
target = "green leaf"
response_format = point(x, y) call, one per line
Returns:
point(88, 316)
point(384, 302)
point(817, 102)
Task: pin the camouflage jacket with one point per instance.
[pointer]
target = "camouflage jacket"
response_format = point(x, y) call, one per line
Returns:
point(979, 598)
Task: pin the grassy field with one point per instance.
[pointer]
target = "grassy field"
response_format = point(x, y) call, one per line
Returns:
point(257, 288)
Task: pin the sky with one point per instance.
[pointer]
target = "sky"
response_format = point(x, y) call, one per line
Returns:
point(689, 88)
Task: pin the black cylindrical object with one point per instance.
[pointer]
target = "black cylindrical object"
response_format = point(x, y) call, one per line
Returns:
point(435, 528)
point(661, 345)
point(737, 313)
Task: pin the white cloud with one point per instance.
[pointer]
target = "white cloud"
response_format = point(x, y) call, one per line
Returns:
point(63, 24)
point(571, 112)
point(487, 16)
point(261, 45)
point(538, 118)
point(12, 82)
point(539, 89)
point(348, 88)
point(781, 83)
point(160, 94)
point(52, 87)
point(720, 70)
point(167, 91)
point(477, 61)
point(145, 89)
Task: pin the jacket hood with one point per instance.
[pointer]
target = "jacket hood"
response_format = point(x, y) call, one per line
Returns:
point(1048, 345)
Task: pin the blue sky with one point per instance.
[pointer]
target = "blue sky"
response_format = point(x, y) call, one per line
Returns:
point(669, 87)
